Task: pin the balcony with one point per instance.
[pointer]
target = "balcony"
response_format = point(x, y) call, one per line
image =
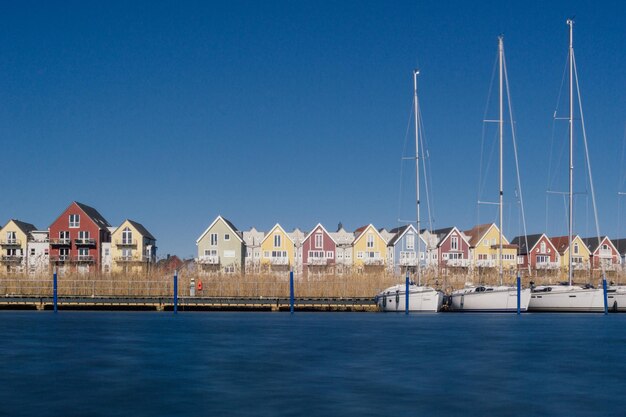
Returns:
point(458, 263)
point(131, 258)
point(59, 258)
point(60, 242)
point(85, 242)
point(279, 260)
point(209, 259)
point(126, 242)
point(374, 261)
point(317, 261)
point(547, 265)
point(84, 259)
point(11, 242)
point(12, 258)
point(485, 263)
point(408, 261)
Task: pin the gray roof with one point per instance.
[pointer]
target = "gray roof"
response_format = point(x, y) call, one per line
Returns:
point(520, 241)
point(94, 215)
point(141, 229)
point(620, 245)
point(23, 226)
point(592, 243)
point(397, 232)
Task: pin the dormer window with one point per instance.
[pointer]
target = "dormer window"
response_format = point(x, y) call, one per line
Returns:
point(74, 220)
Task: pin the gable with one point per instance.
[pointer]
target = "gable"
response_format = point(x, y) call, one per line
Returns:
point(369, 228)
point(228, 224)
point(275, 229)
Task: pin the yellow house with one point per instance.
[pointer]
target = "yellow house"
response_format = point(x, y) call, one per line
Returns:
point(14, 238)
point(484, 242)
point(133, 248)
point(580, 255)
point(369, 248)
point(277, 250)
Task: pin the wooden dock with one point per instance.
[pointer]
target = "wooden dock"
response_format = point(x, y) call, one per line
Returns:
point(356, 304)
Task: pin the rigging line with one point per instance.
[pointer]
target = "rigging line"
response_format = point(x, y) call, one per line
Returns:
point(514, 139)
point(593, 193)
point(406, 136)
point(424, 154)
point(554, 118)
point(482, 138)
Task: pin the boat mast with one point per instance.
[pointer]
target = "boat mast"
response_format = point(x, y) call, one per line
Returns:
point(570, 23)
point(501, 132)
point(417, 174)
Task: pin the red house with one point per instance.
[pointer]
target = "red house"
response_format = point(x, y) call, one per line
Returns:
point(318, 248)
point(76, 238)
point(603, 253)
point(453, 248)
point(537, 249)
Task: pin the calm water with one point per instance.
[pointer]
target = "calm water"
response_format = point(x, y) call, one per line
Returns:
point(309, 364)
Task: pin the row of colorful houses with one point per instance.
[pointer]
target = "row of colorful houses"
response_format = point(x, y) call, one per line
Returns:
point(224, 248)
point(79, 239)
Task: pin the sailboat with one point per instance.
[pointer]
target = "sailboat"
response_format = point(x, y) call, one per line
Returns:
point(420, 298)
point(569, 297)
point(501, 298)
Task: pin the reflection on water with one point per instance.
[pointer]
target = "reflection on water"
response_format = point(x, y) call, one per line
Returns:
point(313, 364)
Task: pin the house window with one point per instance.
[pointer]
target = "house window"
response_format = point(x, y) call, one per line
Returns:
point(32, 252)
point(64, 235)
point(83, 234)
point(213, 239)
point(410, 241)
point(127, 236)
point(454, 243)
point(543, 247)
point(11, 237)
point(359, 255)
point(277, 241)
point(329, 255)
point(127, 253)
point(83, 252)
point(319, 240)
point(74, 220)
point(106, 252)
point(370, 240)
point(226, 237)
point(576, 248)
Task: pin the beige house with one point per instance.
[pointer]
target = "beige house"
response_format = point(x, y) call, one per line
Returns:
point(221, 248)
point(14, 237)
point(133, 248)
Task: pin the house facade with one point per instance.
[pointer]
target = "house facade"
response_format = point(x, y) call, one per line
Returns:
point(76, 237)
point(369, 250)
point(221, 248)
point(277, 250)
point(484, 242)
point(38, 252)
point(343, 249)
point(14, 238)
point(319, 250)
point(580, 252)
point(252, 239)
point(537, 252)
point(133, 248)
point(603, 255)
point(402, 250)
point(453, 248)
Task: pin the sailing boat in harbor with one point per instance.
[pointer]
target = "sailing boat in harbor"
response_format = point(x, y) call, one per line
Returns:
point(501, 298)
point(420, 298)
point(570, 297)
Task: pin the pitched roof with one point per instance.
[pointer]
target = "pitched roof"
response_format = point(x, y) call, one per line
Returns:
point(359, 232)
point(23, 226)
point(520, 241)
point(140, 228)
point(325, 231)
point(477, 232)
point(94, 215)
point(593, 244)
point(561, 243)
point(277, 225)
point(228, 224)
point(398, 232)
point(620, 245)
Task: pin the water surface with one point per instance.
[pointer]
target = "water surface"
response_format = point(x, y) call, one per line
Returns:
point(311, 364)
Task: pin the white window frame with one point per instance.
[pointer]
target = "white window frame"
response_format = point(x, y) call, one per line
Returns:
point(74, 221)
point(277, 240)
point(214, 238)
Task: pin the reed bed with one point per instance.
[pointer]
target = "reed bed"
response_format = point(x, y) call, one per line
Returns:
point(160, 283)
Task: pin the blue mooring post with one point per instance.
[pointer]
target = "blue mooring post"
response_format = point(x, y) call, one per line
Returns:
point(175, 292)
point(406, 295)
point(54, 290)
point(291, 297)
point(606, 301)
point(519, 294)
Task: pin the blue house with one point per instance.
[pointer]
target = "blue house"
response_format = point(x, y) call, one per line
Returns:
point(402, 249)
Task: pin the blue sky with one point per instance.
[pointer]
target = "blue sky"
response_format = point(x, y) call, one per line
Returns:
point(171, 113)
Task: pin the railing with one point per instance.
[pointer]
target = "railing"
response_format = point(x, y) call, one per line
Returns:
point(485, 263)
point(59, 258)
point(84, 258)
point(547, 265)
point(85, 242)
point(12, 258)
point(374, 261)
point(11, 242)
point(60, 242)
point(580, 265)
point(461, 263)
point(317, 261)
point(279, 260)
point(131, 258)
point(209, 259)
point(408, 261)
point(126, 242)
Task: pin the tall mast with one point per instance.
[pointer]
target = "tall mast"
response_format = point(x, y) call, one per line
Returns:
point(417, 173)
point(501, 131)
point(570, 23)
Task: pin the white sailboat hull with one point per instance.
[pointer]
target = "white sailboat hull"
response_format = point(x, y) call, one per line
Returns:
point(421, 299)
point(496, 299)
point(616, 298)
point(565, 299)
